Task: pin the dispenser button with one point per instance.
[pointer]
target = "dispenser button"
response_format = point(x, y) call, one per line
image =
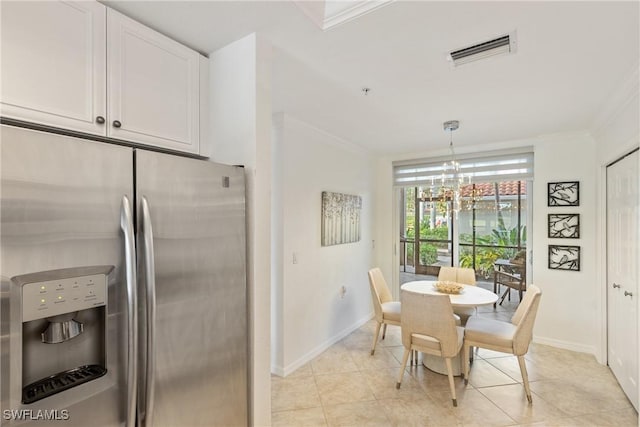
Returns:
point(62, 295)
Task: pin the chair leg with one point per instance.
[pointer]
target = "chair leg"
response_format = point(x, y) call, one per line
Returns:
point(405, 357)
point(525, 377)
point(384, 331)
point(375, 338)
point(507, 292)
point(452, 385)
point(465, 361)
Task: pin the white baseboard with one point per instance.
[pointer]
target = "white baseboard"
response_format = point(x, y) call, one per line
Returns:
point(284, 371)
point(567, 345)
point(277, 370)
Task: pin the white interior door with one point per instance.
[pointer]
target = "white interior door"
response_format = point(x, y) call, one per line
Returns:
point(622, 272)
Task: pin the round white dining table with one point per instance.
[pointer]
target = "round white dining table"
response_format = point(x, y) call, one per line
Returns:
point(470, 296)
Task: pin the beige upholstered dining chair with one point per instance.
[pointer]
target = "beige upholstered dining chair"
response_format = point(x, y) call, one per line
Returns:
point(462, 275)
point(387, 311)
point(507, 337)
point(466, 276)
point(429, 326)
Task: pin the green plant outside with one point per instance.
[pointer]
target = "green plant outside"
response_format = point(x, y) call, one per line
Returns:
point(410, 254)
point(487, 256)
point(428, 251)
point(428, 254)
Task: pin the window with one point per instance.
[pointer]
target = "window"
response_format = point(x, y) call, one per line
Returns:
point(491, 222)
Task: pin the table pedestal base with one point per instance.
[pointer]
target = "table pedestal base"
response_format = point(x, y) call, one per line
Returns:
point(438, 365)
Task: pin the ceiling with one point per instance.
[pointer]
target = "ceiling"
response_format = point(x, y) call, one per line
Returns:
point(570, 57)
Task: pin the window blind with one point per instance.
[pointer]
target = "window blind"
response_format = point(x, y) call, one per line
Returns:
point(490, 166)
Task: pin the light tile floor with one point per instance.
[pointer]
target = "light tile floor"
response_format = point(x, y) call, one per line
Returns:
point(346, 386)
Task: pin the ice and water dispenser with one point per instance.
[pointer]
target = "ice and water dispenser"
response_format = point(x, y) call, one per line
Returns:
point(63, 329)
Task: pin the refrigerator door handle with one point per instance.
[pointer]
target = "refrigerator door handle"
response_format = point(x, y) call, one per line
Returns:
point(150, 275)
point(126, 224)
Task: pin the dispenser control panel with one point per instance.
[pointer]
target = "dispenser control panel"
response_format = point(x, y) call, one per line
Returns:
point(63, 295)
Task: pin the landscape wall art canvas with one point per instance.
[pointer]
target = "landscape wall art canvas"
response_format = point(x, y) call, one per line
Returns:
point(340, 218)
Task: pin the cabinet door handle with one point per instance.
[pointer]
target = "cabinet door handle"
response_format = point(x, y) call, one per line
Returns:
point(116, 124)
point(615, 285)
point(628, 294)
point(100, 120)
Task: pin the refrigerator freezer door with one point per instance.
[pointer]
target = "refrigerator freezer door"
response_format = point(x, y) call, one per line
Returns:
point(60, 208)
point(197, 214)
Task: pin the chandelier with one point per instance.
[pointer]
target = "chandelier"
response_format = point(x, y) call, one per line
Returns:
point(449, 186)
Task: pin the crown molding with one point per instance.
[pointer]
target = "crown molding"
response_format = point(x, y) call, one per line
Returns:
point(625, 93)
point(331, 139)
point(327, 15)
point(313, 9)
point(342, 15)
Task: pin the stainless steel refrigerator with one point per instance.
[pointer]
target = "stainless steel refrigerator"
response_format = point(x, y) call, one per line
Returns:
point(123, 285)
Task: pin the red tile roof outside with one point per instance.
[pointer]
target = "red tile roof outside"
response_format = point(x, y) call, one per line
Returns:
point(506, 188)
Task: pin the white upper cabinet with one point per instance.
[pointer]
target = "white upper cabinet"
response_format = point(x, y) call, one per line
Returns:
point(84, 67)
point(153, 86)
point(53, 64)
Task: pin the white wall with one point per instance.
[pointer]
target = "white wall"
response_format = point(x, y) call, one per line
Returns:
point(310, 312)
point(240, 129)
point(385, 229)
point(570, 298)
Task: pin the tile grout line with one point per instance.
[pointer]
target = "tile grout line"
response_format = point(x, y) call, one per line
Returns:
point(315, 381)
point(375, 399)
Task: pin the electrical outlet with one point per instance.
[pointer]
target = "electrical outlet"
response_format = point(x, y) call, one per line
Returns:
point(343, 291)
point(294, 258)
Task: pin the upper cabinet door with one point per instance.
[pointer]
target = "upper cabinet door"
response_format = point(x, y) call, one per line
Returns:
point(153, 87)
point(53, 63)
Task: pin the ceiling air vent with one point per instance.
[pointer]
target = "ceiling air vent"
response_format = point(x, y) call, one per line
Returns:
point(501, 45)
